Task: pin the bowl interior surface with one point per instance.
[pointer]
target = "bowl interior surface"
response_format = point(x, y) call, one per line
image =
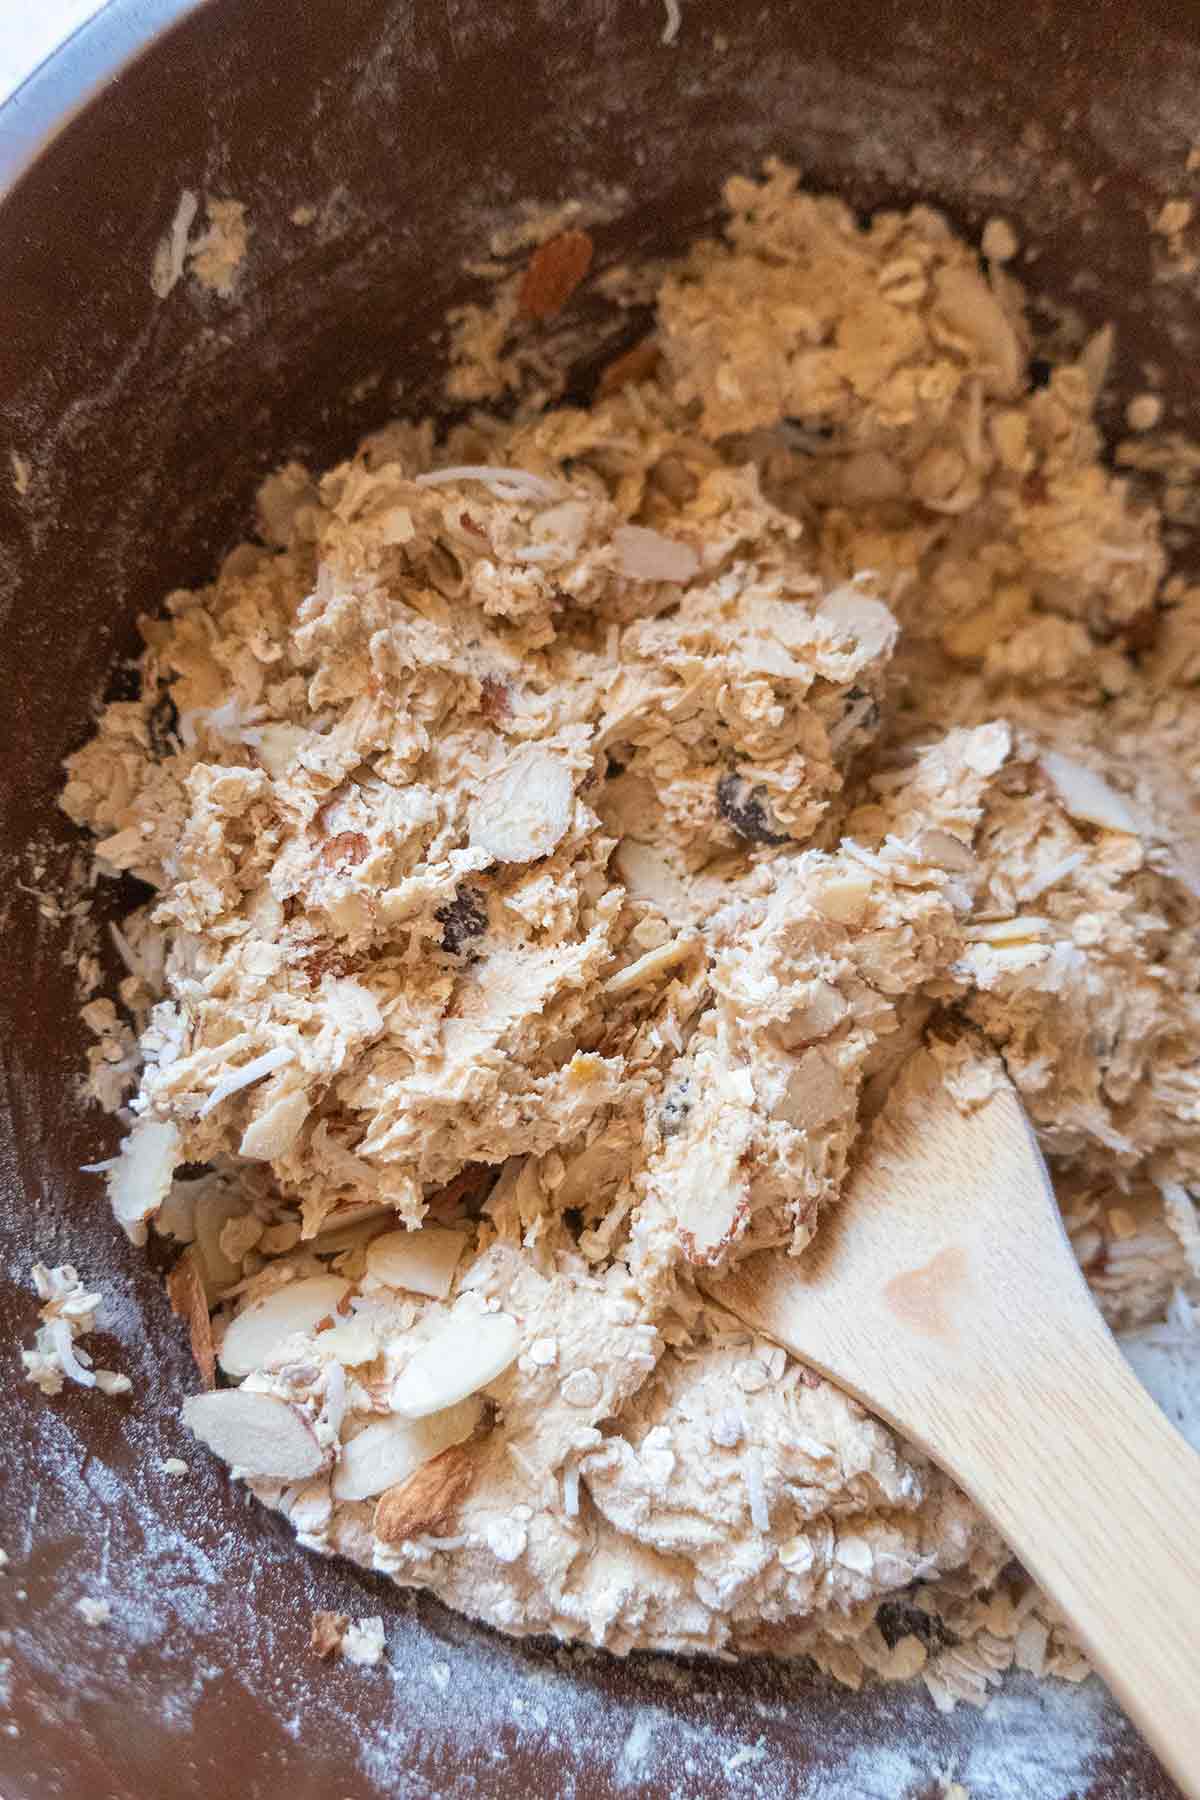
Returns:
point(415, 130)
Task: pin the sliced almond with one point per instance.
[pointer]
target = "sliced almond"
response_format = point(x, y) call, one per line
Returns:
point(256, 1332)
point(1087, 796)
point(711, 1206)
point(468, 1349)
point(815, 1093)
point(523, 812)
point(944, 850)
point(391, 1450)
point(336, 1228)
point(214, 1208)
point(273, 1131)
point(140, 1179)
point(328, 1630)
point(649, 967)
point(555, 270)
point(646, 555)
point(185, 1289)
point(422, 1261)
point(276, 747)
point(352, 1343)
point(649, 874)
point(861, 617)
point(561, 529)
point(1024, 929)
point(818, 1008)
point(842, 893)
point(968, 312)
point(427, 1499)
point(257, 1434)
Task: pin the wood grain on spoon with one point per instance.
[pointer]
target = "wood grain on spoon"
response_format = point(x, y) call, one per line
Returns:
point(943, 1293)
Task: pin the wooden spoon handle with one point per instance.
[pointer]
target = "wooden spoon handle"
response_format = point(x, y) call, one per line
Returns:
point(1108, 1521)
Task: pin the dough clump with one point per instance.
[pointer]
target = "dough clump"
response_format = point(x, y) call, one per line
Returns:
point(559, 835)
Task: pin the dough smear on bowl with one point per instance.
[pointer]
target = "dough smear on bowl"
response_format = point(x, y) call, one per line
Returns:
point(559, 833)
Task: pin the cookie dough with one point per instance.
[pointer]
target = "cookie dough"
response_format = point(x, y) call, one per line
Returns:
point(559, 834)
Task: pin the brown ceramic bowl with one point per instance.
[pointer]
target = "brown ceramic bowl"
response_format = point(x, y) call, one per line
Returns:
point(414, 127)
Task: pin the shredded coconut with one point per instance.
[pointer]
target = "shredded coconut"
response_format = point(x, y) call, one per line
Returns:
point(68, 1313)
point(253, 1071)
point(760, 1516)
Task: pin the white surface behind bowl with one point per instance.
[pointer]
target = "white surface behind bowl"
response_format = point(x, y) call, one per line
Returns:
point(29, 33)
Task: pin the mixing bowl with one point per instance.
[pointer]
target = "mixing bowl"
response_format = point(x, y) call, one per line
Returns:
point(140, 426)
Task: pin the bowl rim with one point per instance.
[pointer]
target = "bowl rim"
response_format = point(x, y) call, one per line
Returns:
point(59, 87)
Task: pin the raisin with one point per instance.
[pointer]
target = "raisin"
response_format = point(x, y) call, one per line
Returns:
point(899, 1618)
point(464, 918)
point(748, 811)
point(555, 270)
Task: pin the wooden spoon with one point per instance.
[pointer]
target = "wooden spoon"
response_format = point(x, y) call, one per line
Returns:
point(943, 1294)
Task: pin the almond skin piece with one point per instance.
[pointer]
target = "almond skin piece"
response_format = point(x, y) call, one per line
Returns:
point(349, 847)
point(555, 270)
point(185, 1290)
point(426, 1500)
point(494, 702)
